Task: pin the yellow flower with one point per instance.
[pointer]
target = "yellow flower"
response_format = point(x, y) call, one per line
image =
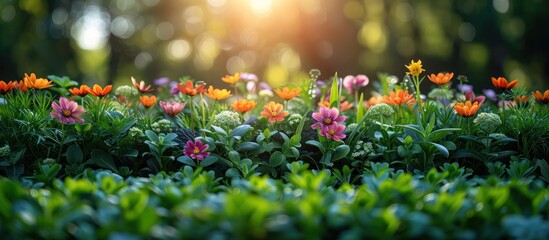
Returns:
point(231, 79)
point(217, 94)
point(415, 68)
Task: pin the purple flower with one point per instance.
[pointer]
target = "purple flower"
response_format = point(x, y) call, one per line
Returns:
point(250, 86)
point(490, 94)
point(164, 81)
point(248, 77)
point(470, 95)
point(173, 88)
point(334, 131)
point(196, 150)
point(352, 83)
point(327, 117)
point(66, 111)
point(463, 88)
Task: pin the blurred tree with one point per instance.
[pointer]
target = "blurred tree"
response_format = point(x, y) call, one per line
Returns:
point(104, 41)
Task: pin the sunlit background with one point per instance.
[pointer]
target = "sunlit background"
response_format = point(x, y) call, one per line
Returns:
point(107, 41)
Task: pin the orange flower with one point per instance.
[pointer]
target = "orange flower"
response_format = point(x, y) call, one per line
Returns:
point(324, 104)
point(22, 86)
point(243, 105)
point(466, 109)
point(147, 101)
point(521, 99)
point(501, 83)
point(81, 92)
point(344, 106)
point(189, 89)
point(36, 83)
point(231, 79)
point(217, 94)
point(542, 98)
point(274, 112)
point(441, 78)
point(141, 86)
point(286, 93)
point(7, 87)
point(99, 91)
point(399, 97)
point(373, 101)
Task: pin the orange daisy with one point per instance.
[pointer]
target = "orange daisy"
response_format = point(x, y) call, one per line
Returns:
point(81, 92)
point(501, 83)
point(231, 79)
point(399, 97)
point(345, 105)
point(243, 105)
point(189, 89)
point(36, 83)
point(324, 104)
point(7, 87)
point(542, 98)
point(22, 86)
point(217, 94)
point(466, 109)
point(98, 91)
point(441, 78)
point(286, 93)
point(373, 101)
point(274, 112)
point(147, 101)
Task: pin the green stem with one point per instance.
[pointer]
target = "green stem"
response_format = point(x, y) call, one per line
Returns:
point(418, 91)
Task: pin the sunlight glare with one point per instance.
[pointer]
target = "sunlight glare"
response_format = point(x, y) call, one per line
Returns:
point(261, 7)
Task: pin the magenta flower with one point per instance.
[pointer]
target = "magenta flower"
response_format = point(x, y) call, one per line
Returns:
point(470, 95)
point(327, 117)
point(67, 111)
point(172, 108)
point(196, 150)
point(334, 131)
point(352, 83)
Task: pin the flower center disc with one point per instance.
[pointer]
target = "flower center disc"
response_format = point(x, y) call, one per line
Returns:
point(327, 120)
point(67, 113)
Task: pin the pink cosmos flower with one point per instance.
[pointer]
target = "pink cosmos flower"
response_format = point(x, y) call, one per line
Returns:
point(334, 131)
point(326, 117)
point(352, 83)
point(172, 108)
point(67, 111)
point(196, 150)
point(470, 95)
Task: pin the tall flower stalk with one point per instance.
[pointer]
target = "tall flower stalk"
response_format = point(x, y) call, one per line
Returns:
point(414, 70)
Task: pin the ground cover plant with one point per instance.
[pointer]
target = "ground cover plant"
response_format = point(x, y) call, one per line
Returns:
point(185, 159)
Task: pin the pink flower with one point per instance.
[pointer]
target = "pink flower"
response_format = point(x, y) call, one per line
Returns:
point(470, 95)
point(327, 117)
point(196, 150)
point(172, 108)
point(334, 131)
point(67, 111)
point(351, 82)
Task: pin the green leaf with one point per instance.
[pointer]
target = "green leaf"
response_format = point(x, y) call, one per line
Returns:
point(360, 109)
point(152, 136)
point(340, 152)
point(234, 156)
point(316, 144)
point(334, 92)
point(247, 146)
point(207, 161)
point(102, 159)
point(403, 152)
point(74, 154)
point(295, 140)
point(241, 130)
point(219, 130)
point(440, 148)
point(186, 160)
point(277, 159)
